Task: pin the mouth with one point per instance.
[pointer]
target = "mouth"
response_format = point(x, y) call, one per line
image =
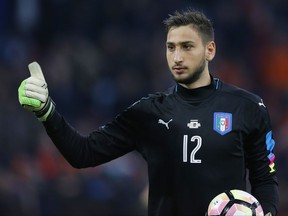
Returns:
point(179, 69)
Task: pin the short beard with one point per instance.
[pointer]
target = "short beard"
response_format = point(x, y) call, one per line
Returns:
point(193, 77)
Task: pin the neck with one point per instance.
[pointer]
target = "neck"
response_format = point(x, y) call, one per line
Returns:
point(204, 80)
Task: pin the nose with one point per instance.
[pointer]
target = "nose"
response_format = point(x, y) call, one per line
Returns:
point(178, 56)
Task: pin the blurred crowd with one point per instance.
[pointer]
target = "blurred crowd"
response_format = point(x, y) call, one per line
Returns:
point(99, 57)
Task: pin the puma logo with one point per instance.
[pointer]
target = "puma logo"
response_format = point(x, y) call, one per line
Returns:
point(160, 121)
point(261, 103)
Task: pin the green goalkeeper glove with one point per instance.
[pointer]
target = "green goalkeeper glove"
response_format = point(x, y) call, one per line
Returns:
point(33, 94)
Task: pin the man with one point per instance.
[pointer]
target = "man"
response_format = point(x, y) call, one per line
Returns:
point(198, 137)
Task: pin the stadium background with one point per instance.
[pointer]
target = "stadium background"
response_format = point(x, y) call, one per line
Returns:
point(99, 56)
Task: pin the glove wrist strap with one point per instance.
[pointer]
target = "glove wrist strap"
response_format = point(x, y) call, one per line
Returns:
point(47, 111)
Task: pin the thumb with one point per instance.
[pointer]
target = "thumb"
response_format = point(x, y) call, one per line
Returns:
point(35, 71)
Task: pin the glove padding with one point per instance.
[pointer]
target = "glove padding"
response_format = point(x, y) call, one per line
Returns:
point(33, 93)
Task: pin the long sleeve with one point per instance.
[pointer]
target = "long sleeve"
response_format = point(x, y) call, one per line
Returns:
point(261, 159)
point(85, 151)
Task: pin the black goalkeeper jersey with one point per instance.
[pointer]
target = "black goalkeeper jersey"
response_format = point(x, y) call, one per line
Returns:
point(197, 144)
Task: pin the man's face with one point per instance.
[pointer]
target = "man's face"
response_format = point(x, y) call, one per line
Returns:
point(186, 55)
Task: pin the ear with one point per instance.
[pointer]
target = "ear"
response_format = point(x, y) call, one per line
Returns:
point(210, 50)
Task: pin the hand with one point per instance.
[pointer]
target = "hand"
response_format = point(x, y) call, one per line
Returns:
point(33, 93)
point(268, 214)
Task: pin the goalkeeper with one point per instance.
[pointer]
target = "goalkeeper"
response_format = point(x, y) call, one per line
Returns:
point(199, 137)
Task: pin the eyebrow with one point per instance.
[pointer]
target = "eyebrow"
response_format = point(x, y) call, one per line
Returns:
point(181, 42)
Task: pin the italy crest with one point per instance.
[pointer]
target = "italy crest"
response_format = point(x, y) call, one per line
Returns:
point(222, 122)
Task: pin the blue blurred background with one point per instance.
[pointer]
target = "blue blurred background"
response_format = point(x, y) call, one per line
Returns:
point(99, 56)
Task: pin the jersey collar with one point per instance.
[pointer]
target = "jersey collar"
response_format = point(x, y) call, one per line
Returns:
point(198, 93)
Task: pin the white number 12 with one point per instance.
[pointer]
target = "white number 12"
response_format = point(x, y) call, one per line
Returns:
point(198, 140)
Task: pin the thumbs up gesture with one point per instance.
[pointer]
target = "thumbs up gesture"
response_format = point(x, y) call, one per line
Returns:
point(33, 93)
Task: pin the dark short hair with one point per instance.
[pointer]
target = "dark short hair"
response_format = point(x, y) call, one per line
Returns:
point(196, 19)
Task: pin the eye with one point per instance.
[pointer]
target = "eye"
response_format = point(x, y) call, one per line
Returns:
point(187, 46)
point(170, 47)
